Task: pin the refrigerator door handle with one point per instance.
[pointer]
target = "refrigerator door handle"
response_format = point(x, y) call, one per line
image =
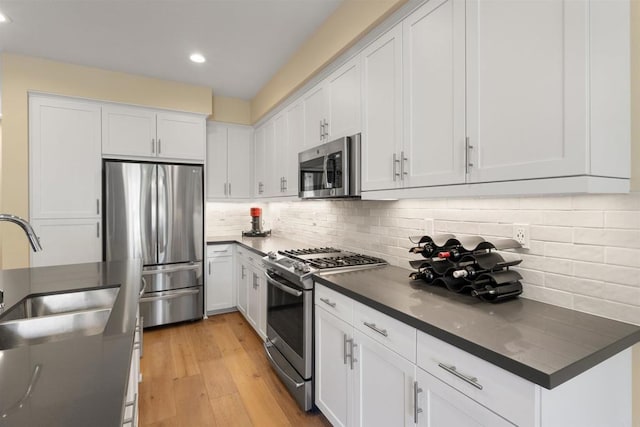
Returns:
point(162, 207)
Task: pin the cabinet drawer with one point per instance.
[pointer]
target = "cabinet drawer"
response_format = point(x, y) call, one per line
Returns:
point(503, 392)
point(334, 302)
point(219, 250)
point(390, 332)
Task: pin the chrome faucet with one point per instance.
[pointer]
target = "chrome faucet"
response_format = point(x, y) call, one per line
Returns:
point(31, 235)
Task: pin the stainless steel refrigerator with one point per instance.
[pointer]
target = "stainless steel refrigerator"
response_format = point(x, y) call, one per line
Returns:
point(154, 211)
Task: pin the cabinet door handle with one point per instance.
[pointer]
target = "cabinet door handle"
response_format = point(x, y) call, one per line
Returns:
point(468, 162)
point(242, 274)
point(326, 128)
point(403, 159)
point(225, 188)
point(373, 326)
point(159, 146)
point(321, 130)
point(286, 184)
point(153, 146)
point(98, 206)
point(209, 268)
point(395, 166)
point(229, 189)
point(328, 302)
point(344, 348)
point(98, 230)
point(452, 370)
point(416, 410)
point(353, 353)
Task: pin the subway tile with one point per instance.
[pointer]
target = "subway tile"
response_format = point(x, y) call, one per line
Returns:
point(550, 296)
point(609, 202)
point(621, 256)
point(609, 309)
point(551, 234)
point(622, 293)
point(574, 285)
point(577, 252)
point(607, 273)
point(546, 203)
point(574, 218)
point(622, 219)
point(607, 237)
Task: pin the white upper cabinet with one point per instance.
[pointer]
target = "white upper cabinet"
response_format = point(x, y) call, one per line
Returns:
point(140, 132)
point(228, 161)
point(315, 107)
point(526, 89)
point(295, 141)
point(382, 110)
point(343, 117)
point(181, 136)
point(259, 161)
point(332, 109)
point(434, 96)
point(64, 158)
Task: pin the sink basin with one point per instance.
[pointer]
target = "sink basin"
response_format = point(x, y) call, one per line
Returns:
point(39, 305)
point(44, 329)
point(42, 318)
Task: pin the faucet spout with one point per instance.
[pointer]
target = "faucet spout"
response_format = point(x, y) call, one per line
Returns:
point(26, 227)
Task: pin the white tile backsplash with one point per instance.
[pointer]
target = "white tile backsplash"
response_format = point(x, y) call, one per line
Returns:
point(584, 253)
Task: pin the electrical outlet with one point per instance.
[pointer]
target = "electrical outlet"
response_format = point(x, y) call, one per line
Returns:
point(521, 234)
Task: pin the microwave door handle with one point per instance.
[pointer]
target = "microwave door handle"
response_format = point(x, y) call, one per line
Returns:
point(333, 172)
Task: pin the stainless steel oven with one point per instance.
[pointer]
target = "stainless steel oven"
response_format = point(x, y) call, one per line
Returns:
point(331, 169)
point(289, 344)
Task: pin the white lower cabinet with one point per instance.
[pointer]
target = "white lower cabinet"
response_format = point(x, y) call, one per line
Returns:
point(220, 286)
point(251, 289)
point(333, 387)
point(442, 405)
point(383, 385)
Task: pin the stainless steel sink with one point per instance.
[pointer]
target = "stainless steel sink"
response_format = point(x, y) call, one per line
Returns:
point(52, 317)
point(57, 303)
point(44, 329)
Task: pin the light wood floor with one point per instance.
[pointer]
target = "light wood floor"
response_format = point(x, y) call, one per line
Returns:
point(213, 373)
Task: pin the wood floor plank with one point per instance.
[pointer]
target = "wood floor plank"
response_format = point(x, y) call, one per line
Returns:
point(192, 402)
point(217, 379)
point(169, 422)
point(156, 401)
point(157, 360)
point(184, 360)
point(203, 340)
point(229, 411)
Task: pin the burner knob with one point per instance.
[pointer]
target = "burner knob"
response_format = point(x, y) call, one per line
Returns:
point(305, 268)
point(297, 266)
point(272, 255)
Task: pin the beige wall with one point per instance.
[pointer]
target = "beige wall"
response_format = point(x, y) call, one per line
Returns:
point(231, 110)
point(352, 20)
point(21, 74)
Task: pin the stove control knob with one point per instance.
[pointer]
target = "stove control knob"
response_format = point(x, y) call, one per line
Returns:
point(272, 255)
point(297, 266)
point(305, 268)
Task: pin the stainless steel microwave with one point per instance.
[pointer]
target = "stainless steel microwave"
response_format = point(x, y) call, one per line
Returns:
point(330, 170)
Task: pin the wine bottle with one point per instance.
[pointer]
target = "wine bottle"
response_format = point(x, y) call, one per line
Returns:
point(497, 293)
point(468, 272)
point(425, 275)
point(427, 250)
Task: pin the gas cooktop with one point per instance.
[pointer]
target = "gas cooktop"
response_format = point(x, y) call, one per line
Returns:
point(330, 258)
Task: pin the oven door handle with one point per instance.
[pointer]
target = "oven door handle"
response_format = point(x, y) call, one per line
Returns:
point(325, 174)
point(282, 287)
point(267, 345)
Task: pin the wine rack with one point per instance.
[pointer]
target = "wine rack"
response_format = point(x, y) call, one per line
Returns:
point(468, 265)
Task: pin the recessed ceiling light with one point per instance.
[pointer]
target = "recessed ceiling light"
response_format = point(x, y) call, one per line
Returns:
point(197, 58)
point(4, 18)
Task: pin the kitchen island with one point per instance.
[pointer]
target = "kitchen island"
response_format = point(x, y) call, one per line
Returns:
point(78, 380)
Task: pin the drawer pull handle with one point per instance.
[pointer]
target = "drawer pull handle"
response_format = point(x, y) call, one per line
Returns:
point(373, 326)
point(416, 409)
point(452, 370)
point(329, 303)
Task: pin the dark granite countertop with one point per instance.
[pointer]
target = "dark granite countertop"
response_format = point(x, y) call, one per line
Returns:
point(82, 380)
point(261, 245)
point(540, 342)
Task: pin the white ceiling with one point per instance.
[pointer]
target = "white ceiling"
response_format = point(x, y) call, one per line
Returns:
point(245, 41)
